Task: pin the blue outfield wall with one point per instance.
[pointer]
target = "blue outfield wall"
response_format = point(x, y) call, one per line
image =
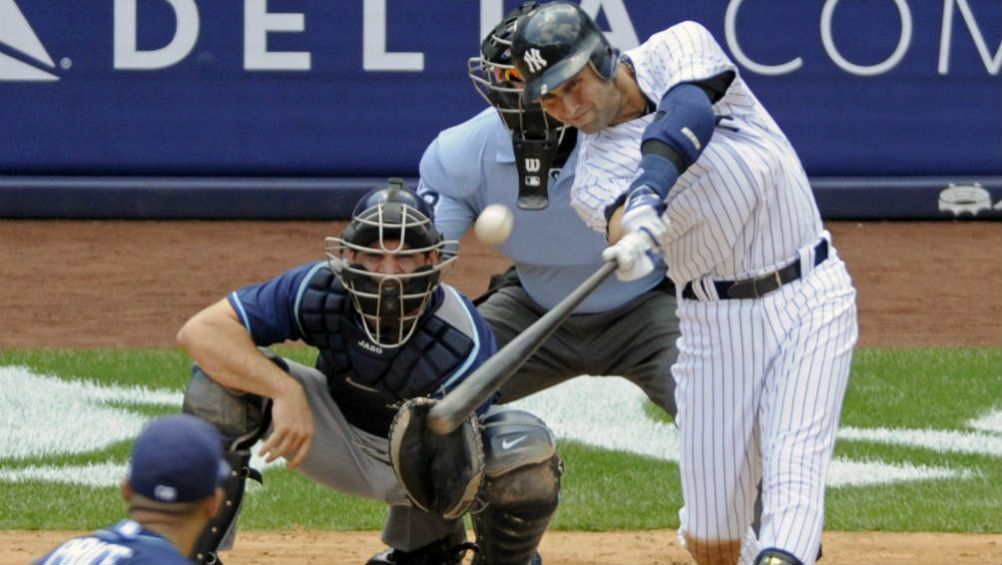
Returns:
point(289, 108)
point(169, 198)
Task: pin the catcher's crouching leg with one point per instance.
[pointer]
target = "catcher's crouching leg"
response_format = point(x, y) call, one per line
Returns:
point(242, 419)
point(521, 488)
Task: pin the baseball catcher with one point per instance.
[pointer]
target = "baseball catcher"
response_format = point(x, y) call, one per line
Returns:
point(391, 338)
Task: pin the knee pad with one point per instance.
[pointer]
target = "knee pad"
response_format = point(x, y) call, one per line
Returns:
point(513, 439)
point(522, 468)
point(241, 418)
point(521, 487)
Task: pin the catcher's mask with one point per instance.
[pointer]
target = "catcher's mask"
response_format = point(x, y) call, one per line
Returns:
point(390, 221)
point(536, 137)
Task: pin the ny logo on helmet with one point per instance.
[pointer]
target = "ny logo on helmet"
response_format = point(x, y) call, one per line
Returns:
point(535, 61)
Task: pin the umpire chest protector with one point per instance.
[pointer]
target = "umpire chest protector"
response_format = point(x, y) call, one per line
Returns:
point(368, 381)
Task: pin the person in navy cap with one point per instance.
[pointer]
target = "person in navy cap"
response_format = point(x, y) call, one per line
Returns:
point(172, 492)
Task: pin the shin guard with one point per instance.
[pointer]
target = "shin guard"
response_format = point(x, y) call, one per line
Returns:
point(219, 528)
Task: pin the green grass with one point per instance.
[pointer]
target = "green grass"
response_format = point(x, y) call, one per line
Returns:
point(938, 389)
point(933, 388)
point(154, 368)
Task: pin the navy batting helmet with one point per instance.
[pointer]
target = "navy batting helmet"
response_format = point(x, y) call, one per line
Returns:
point(554, 42)
point(391, 220)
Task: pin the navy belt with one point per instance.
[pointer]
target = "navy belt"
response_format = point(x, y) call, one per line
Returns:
point(764, 284)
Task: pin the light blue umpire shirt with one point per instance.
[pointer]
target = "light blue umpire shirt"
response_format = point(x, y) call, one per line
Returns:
point(472, 165)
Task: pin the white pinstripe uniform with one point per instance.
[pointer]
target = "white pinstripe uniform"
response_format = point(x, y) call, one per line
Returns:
point(760, 380)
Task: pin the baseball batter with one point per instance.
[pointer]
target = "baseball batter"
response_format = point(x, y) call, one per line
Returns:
point(680, 155)
point(387, 330)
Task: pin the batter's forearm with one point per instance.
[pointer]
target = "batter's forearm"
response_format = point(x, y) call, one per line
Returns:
point(614, 228)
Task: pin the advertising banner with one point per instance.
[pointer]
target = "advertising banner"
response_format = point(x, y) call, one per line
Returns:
point(317, 88)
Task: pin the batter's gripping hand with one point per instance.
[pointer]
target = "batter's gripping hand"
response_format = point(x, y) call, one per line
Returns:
point(441, 473)
point(645, 224)
point(632, 254)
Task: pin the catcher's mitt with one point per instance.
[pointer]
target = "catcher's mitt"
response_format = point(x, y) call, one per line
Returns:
point(441, 473)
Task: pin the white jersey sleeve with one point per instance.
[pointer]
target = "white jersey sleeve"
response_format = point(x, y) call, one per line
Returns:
point(686, 52)
point(744, 206)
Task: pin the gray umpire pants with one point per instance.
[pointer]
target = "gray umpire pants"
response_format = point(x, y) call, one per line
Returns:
point(635, 341)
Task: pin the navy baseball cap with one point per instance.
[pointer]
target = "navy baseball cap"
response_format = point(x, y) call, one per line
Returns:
point(178, 458)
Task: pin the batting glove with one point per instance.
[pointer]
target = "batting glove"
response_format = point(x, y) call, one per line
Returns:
point(644, 208)
point(633, 256)
point(644, 212)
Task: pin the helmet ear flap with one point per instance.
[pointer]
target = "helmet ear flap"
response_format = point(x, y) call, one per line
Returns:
point(605, 60)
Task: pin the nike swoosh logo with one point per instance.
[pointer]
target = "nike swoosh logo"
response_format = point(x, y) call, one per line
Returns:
point(505, 444)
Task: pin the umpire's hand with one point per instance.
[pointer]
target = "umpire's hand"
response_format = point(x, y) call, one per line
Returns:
point(292, 425)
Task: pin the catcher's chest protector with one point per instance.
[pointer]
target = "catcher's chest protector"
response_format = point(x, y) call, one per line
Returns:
point(367, 380)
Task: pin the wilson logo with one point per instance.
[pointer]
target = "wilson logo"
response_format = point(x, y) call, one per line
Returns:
point(16, 34)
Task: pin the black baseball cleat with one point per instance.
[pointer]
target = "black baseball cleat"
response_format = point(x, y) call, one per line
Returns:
point(446, 551)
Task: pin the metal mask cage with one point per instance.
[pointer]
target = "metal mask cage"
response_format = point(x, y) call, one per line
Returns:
point(390, 304)
point(530, 123)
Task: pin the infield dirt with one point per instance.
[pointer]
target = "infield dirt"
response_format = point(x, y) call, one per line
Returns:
point(88, 284)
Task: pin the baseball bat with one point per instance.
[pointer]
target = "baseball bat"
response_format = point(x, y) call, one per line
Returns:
point(447, 414)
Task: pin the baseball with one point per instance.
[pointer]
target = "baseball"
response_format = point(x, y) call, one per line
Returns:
point(494, 224)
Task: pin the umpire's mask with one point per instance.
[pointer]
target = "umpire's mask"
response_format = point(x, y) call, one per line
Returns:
point(539, 141)
point(393, 222)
